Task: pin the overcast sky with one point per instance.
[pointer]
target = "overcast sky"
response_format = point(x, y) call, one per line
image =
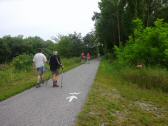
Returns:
point(46, 18)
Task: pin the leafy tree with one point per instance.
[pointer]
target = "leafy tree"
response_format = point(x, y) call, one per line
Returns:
point(114, 22)
point(91, 44)
point(149, 46)
point(71, 45)
point(14, 46)
point(4, 51)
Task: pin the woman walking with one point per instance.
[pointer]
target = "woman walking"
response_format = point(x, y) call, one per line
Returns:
point(55, 64)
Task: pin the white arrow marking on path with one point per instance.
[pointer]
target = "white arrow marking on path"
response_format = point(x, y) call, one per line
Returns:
point(75, 93)
point(71, 98)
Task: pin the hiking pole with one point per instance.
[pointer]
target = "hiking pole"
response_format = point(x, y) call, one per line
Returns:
point(61, 76)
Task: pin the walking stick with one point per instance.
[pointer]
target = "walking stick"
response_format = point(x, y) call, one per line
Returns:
point(62, 76)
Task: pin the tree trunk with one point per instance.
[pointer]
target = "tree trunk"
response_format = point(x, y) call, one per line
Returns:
point(118, 25)
point(114, 39)
point(148, 9)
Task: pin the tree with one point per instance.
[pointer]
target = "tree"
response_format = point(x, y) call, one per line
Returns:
point(71, 45)
point(15, 46)
point(114, 22)
point(150, 45)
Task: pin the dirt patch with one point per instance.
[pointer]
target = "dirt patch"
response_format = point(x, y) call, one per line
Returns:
point(158, 112)
point(114, 94)
point(121, 117)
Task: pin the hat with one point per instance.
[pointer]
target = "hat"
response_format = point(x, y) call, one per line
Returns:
point(55, 52)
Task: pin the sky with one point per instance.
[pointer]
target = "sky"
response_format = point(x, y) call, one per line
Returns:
point(46, 18)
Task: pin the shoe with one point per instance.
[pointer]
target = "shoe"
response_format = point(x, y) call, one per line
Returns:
point(55, 84)
point(38, 85)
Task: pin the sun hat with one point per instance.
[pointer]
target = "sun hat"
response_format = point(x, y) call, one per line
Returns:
point(55, 52)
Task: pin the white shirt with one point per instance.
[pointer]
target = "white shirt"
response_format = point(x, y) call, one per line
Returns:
point(39, 60)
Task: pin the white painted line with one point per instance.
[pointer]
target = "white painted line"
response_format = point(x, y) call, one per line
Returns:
point(71, 98)
point(74, 93)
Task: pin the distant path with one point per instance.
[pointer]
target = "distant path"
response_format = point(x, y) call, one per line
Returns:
point(47, 106)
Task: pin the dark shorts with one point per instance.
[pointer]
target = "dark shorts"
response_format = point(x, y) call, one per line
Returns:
point(40, 70)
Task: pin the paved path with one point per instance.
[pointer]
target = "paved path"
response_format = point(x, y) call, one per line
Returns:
point(47, 106)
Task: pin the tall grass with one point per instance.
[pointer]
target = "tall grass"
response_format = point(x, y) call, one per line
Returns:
point(113, 101)
point(13, 82)
point(147, 77)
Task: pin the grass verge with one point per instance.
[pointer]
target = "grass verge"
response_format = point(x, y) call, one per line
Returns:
point(12, 82)
point(113, 101)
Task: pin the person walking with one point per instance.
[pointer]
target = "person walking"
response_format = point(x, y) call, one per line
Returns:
point(39, 60)
point(83, 57)
point(55, 64)
point(88, 57)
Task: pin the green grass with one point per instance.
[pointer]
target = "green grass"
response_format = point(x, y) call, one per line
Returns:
point(13, 82)
point(149, 78)
point(114, 101)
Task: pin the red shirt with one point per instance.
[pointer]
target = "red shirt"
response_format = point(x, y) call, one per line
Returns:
point(83, 55)
point(88, 56)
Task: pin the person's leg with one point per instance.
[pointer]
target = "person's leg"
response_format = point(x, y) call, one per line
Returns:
point(55, 79)
point(87, 60)
point(40, 76)
point(38, 80)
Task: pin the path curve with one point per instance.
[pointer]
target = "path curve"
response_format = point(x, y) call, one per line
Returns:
point(47, 106)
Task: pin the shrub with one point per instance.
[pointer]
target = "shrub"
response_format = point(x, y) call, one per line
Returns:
point(109, 57)
point(146, 46)
point(22, 62)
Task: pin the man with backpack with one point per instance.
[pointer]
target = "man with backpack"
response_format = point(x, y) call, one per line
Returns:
point(55, 64)
point(39, 61)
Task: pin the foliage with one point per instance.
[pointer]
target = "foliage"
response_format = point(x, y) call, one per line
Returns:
point(151, 77)
point(15, 46)
point(22, 63)
point(91, 44)
point(70, 46)
point(114, 22)
point(148, 46)
point(114, 102)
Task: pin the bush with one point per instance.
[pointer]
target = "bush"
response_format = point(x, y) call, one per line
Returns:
point(22, 62)
point(147, 46)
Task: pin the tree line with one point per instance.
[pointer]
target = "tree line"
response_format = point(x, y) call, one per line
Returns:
point(134, 31)
point(71, 45)
point(114, 22)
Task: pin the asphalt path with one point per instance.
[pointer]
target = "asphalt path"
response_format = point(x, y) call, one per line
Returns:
point(48, 106)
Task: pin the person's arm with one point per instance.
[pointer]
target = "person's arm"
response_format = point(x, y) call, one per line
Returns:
point(44, 58)
point(33, 64)
point(60, 62)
